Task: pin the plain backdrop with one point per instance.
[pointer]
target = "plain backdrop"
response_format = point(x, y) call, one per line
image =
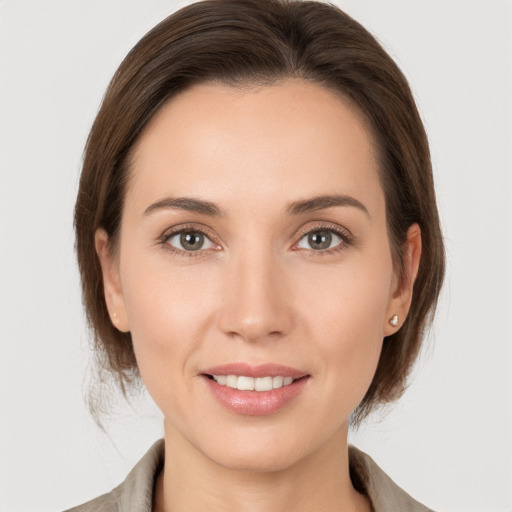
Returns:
point(448, 442)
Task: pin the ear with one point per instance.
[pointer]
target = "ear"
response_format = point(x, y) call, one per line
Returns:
point(401, 292)
point(111, 281)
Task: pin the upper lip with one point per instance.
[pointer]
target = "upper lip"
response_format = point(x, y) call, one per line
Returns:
point(261, 370)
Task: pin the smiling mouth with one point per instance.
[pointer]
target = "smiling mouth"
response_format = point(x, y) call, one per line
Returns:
point(245, 383)
point(255, 390)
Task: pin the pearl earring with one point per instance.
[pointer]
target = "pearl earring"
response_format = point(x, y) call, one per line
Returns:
point(393, 320)
point(114, 316)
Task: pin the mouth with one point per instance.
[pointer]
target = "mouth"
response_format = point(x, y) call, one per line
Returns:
point(255, 390)
point(247, 383)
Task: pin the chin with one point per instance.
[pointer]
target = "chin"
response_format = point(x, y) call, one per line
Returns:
point(258, 453)
point(267, 461)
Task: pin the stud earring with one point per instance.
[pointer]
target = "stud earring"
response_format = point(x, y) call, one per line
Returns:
point(114, 317)
point(393, 320)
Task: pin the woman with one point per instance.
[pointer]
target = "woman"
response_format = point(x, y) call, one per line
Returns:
point(259, 243)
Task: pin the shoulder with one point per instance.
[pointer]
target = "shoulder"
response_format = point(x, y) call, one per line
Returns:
point(135, 493)
point(105, 503)
point(385, 495)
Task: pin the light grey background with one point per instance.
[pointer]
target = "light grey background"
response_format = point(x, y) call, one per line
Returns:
point(448, 442)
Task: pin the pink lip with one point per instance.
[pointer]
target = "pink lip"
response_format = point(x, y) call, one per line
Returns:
point(255, 403)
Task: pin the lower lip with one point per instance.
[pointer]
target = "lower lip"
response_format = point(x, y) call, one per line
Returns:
point(256, 403)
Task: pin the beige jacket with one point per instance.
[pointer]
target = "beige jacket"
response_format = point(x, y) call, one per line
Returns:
point(135, 494)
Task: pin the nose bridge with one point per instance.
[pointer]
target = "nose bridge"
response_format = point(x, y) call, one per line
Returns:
point(254, 294)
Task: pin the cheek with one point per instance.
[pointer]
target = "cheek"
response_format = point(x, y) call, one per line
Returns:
point(351, 299)
point(168, 310)
point(345, 317)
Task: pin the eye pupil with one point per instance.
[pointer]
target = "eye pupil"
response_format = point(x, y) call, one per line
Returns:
point(191, 241)
point(320, 239)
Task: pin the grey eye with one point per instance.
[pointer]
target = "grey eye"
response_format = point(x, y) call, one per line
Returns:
point(319, 240)
point(190, 241)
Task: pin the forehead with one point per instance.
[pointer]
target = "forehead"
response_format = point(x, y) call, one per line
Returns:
point(228, 144)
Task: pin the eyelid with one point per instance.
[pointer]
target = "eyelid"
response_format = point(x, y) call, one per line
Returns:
point(345, 236)
point(342, 232)
point(194, 228)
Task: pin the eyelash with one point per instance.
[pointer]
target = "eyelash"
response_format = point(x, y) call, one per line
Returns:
point(346, 240)
point(186, 228)
point(344, 234)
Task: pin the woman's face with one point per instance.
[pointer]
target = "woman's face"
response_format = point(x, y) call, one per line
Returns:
point(253, 244)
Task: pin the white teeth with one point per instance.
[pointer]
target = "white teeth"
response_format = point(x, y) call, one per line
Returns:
point(244, 383)
point(277, 382)
point(263, 384)
point(231, 381)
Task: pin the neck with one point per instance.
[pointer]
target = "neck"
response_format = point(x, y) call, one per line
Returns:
point(192, 481)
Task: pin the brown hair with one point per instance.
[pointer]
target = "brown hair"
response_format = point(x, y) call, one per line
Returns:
point(243, 42)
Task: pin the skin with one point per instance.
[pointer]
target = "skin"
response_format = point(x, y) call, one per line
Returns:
point(257, 291)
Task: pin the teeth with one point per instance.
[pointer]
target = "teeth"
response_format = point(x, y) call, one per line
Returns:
point(244, 383)
point(277, 382)
point(231, 381)
point(263, 384)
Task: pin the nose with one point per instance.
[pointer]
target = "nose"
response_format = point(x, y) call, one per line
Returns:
point(256, 303)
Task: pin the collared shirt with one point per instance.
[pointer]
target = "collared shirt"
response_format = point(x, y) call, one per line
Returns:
point(135, 493)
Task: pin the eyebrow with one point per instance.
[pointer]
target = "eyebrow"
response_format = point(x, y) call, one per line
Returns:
point(324, 202)
point(295, 208)
point(189, 204)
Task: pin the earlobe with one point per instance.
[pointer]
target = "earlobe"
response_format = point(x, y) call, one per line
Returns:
point(401, 296)
point(111, 281)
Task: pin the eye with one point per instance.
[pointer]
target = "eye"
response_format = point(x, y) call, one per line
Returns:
point(323, 240)
point(189, 241)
